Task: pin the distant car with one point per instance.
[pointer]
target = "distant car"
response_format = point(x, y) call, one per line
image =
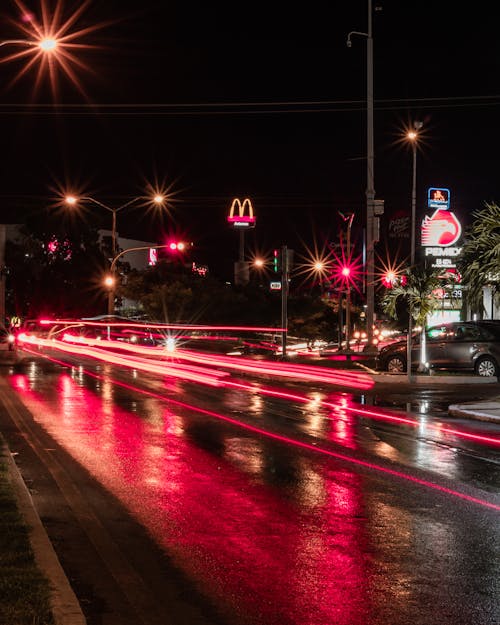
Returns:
point(461, 345)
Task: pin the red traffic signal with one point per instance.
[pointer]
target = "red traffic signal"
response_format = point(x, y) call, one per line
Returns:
point(176, 246)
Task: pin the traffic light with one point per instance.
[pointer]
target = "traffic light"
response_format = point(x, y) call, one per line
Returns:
point(176, 246)
point(346, 272)
point(276, 261)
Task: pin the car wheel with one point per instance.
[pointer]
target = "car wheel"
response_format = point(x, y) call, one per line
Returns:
point(396, 364)
point(486, 367)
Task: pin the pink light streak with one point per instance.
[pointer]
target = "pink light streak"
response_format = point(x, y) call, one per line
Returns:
point(301, 444)
point(160, 326)
point(215, 377)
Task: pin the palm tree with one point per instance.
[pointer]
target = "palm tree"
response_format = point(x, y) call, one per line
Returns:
point(417, 290)
point(479, 262)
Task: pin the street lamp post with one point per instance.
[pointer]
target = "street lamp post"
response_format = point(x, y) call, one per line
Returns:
point(370, 176)
point(412, 136)
point(47, 45)
point(71, 200)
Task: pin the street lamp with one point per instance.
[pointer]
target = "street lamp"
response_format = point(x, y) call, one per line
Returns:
point(73, 200)
point(412, 135)
point(370, 176)
point(46, 46)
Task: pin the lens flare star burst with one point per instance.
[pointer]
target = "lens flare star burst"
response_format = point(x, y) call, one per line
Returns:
point(49, 45)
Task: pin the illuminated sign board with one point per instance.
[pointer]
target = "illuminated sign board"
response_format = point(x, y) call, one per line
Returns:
point(442, 228)
point(152, 256)
point(438, 198)
point(441, 232)
point(240, 220)
point(275, 286)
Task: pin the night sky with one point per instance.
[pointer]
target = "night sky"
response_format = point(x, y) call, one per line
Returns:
point(260, 99)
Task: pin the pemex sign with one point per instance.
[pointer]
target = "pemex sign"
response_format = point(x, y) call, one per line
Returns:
point(441, 232)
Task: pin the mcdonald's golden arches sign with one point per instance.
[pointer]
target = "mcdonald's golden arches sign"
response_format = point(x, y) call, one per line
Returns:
point(240, 219)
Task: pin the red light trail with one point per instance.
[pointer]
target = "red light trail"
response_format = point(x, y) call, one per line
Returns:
point(297, 443)
point(214, 377)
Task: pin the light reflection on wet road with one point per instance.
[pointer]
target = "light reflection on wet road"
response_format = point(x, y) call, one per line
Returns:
point(273, 533)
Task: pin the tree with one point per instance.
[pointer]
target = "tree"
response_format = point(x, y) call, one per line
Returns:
point(418, 292)
point(171, 292)
point(55, 269)
point(479, 262)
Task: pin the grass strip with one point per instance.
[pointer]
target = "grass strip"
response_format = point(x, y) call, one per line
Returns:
point(24, 591)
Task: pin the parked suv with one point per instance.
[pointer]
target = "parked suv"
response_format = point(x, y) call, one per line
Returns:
point(461, 345)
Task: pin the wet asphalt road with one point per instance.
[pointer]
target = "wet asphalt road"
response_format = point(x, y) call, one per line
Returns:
point(165, 509)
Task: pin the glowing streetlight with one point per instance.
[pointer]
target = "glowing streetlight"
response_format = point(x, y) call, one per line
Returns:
point(73, 200)
point(48, 45)
point(412, 136)
point(44, 49)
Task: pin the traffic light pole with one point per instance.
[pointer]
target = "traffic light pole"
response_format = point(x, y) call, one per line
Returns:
point(112, 271)
point(284, 299)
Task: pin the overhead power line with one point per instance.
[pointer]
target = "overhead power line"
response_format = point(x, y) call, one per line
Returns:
point(242, 108)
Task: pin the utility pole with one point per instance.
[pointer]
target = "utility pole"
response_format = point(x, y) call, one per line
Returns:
point(370, 184)
point(370, 178)
point(284, 299)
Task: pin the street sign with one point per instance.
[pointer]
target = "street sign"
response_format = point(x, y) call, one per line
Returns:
point(275, 286)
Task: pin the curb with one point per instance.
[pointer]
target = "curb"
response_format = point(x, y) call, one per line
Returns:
point(482, 411)
point(65, 607)
point(390, 378)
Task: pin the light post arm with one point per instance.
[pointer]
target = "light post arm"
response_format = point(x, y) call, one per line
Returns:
point(114, 211)
point(18, 42)
point(134, 249)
